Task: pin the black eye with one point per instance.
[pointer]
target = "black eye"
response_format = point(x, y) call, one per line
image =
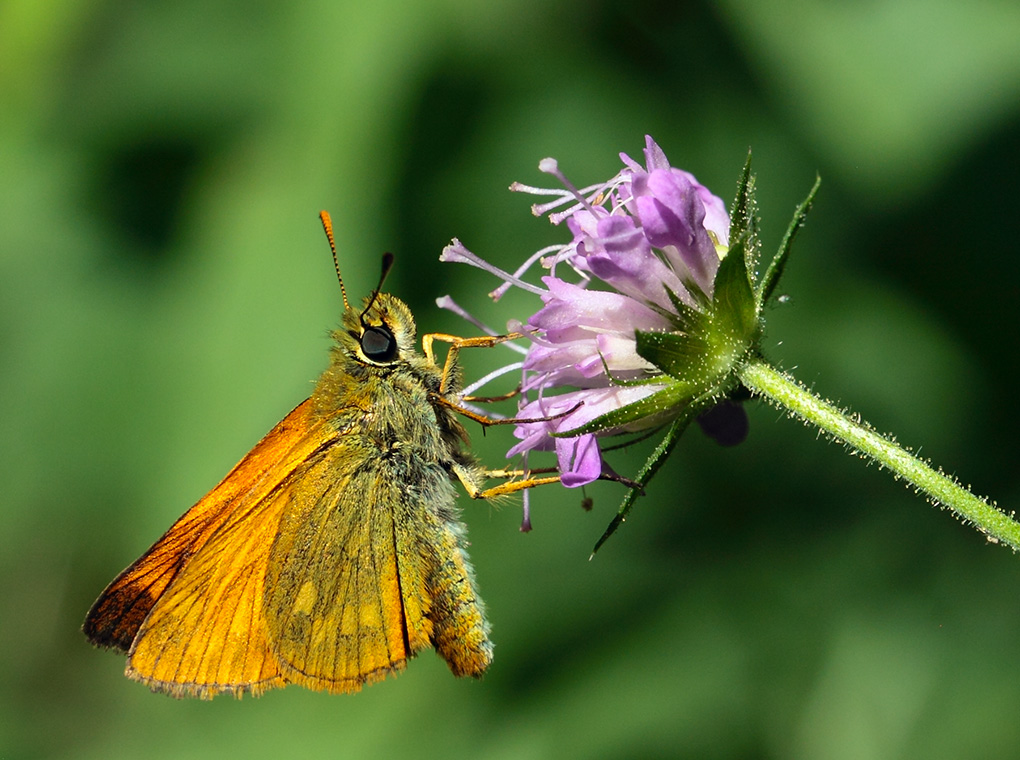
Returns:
point(378, 344)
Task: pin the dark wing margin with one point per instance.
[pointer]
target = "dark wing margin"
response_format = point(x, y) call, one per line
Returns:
point(210, 556)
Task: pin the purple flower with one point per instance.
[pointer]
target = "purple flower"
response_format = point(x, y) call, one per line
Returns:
point(650, 238)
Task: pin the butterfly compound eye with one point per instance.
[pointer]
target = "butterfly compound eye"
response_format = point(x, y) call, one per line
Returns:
point(378, 344)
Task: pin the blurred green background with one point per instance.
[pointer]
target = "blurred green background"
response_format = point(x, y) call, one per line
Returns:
point(166, 291)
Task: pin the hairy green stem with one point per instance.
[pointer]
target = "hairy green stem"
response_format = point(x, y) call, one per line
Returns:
point(764, 380)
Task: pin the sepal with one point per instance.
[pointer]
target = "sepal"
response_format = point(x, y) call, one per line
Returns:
point(704, 353)
point(744, 217)
point(775, 269)
point(663, 403)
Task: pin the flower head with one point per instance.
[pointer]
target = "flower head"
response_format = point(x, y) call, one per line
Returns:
point(642, 262)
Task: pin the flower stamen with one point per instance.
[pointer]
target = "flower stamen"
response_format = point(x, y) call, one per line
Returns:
point(458, 253)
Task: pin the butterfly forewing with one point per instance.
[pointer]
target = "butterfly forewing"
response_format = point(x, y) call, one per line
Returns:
point(180, 607)
point(117, 615)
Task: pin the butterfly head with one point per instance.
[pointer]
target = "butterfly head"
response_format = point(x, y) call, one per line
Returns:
point(380, 334)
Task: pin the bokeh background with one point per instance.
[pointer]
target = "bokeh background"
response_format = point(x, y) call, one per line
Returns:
point(166, 291)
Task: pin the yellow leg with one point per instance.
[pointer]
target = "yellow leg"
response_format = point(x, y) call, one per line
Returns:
point(505, 474)
point(514, 486)
point(456, 344)
point(471, 481)
point(493, 399)
point(481, 419)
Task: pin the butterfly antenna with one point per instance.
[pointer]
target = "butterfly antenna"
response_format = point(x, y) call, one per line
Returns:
point(327, 225)
point(387, 265)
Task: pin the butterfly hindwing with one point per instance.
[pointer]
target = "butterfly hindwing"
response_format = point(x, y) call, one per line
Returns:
point(351, 584)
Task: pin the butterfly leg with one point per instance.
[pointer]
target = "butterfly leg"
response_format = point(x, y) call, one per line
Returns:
point(473, 479)
point(456, 344)
point(493, 399)
point(484, 421)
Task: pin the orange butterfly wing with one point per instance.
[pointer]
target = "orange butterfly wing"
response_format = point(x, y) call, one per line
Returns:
point(370, 570)
point(189, 610)
point(321, 559)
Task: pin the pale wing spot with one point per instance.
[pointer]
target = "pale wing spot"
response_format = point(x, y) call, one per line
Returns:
point(370, 617)
point(319, 631)
point(305, 599)
point(349, 620)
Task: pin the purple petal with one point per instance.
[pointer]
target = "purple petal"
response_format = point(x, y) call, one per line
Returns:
point(717, 220)
point(570, 305)
point(620, 235)
point(673, 217)
point(671, 212)
point(654, 157)
point(595, 402)
point(579, 460)
point(614, 351)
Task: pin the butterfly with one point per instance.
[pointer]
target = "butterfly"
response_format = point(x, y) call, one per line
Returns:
point(333, 552)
